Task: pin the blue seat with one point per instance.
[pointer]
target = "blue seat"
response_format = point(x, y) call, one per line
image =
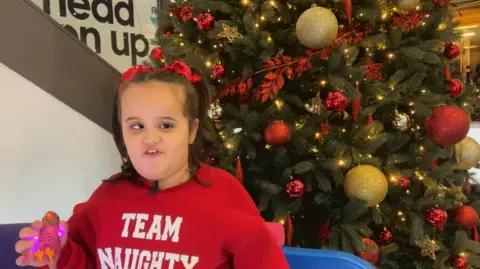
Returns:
point(301, 258)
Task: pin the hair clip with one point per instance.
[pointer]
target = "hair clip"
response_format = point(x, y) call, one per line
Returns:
point(182, 69)
point(177, 67)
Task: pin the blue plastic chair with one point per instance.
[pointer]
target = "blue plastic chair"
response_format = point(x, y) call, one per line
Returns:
point(302, 258)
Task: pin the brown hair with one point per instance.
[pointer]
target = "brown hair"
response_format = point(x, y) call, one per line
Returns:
point(197, 102)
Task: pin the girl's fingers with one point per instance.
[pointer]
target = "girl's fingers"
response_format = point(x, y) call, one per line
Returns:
point(37, 225)
point(23, 246)
point(27, 233)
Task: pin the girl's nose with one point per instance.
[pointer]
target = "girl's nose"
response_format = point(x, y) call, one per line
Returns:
point(151, 137)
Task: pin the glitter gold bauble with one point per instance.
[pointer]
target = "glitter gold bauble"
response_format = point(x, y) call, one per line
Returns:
point(407, 5)
point(316, 27)
point(467, 153)
point(367, 183)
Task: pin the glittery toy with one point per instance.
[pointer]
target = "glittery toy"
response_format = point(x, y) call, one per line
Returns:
point(49, 237)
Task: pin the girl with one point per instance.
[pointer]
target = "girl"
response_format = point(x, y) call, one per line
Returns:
point(165, 209)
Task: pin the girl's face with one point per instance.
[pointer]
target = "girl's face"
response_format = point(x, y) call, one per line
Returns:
point(156, 131)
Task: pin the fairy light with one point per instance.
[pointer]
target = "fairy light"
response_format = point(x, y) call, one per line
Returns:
point(182, 44)
point(400, 213)
point(379, 97)
point(315, 149)
point(279, 103)
point(269, 39)
point(199, 41)
point(228, 146)
point(180, 34)
point(208, 63)
point(245, 2)
point(272, 3)
point(317, 135)
point(391, 55)
point(257, 25)
point(323, 82)
point(411, 104)
point(341, 162)
point(282, 221)
point(262, 18)
point(384, 15)
point(393, 179)
point(279, 19)
point(412, 111)
point(343, 130)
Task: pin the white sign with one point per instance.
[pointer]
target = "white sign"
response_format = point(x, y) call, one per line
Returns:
point(120, 31)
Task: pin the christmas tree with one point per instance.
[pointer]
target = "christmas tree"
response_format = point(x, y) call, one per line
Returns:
point(342, 120)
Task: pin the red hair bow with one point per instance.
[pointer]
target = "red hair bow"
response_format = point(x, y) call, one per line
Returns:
point(182, 69)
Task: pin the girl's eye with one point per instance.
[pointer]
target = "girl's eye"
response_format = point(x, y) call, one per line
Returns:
point(166, 126)
point(137, 126)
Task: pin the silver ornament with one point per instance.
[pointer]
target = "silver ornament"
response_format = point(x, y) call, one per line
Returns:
point(317, 27)
point(215, 111)
point(401, 122)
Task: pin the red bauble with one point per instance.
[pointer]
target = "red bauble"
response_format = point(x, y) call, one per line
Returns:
point(447, 125)
point(186, 13)
point(336, 101)
point(466, 216)
point(218, 71)
point(157, 54)
point(370, 254)
point(277, 133)
point(385, 237)
point(405, 182)
point(205, 22)
point(436, 217)
point(295, 188)
point(459, 262)
point(451, 51)
point(456, 88)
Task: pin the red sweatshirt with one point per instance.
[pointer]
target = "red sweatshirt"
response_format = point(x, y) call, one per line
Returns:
point(189, 226)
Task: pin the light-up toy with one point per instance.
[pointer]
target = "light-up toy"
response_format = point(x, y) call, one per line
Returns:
point(49, 243)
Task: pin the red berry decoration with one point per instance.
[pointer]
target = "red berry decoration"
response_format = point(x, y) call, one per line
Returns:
point(385, 237)
point(157, 54)
point(186, 13)
point(370, 254)
point(456, 88)
point(466, 216)
point(459, 262)
point(405, 182)
point(295, 188)
point(336, 101)
point(451, 51)
point(447, 125)
point(436, 217)
point(277, 133)
point(218, 71)
point(205, 22)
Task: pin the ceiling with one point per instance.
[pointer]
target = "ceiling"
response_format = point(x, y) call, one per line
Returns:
point(468, 14)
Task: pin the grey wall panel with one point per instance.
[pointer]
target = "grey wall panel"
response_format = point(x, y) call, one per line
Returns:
point(38, 48)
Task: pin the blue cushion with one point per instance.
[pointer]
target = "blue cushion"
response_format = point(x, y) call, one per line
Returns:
point(301, 258)
point(8, 238)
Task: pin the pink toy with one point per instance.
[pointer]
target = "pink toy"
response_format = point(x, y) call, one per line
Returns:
point(49, 237)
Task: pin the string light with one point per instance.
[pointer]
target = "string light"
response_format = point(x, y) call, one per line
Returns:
point(208, 63)
point(279, 103)
point(228, 146)
point(245, 2)
point(323, 82)
point(341, 162)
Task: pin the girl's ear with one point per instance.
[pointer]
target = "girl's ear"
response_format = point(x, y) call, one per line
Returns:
point(193, 130)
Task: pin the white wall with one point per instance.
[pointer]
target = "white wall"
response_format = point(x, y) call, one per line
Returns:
point(51, 157)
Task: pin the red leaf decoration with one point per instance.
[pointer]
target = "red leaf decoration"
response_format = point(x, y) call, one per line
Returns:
point(277, 61)
point(269, 64)
point(270, 76)
point(286, 59)
point(289, 72)
point(249, 83)
point(242, 87)
point(264, 98)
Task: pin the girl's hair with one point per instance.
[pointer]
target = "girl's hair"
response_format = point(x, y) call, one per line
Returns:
point(197, 102)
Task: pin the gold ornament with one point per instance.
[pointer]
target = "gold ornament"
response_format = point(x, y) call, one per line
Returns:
point(229, 33)
point(367, 183)
point(407, 5)
point(428, 247)
point(317, 27)
point(467, 153)
point(315, 105)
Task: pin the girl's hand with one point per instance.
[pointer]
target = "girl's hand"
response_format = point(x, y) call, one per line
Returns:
point(28, 236)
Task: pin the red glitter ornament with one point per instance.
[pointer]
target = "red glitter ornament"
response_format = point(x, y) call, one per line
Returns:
point(336, 101)
point(186, 13)
point(459, 262)
point(385, 237)
point(218, 71)
point(370, 254)
point(157, 54)
point(436, 217)
point(456, 88)
point(451, 51)
point(447, 125)
point(277, 133)
point(466, 216)
point(405, 182)
point(295, 188)
point(205, 21)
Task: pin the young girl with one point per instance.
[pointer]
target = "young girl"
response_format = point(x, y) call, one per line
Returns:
point(165, 210)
